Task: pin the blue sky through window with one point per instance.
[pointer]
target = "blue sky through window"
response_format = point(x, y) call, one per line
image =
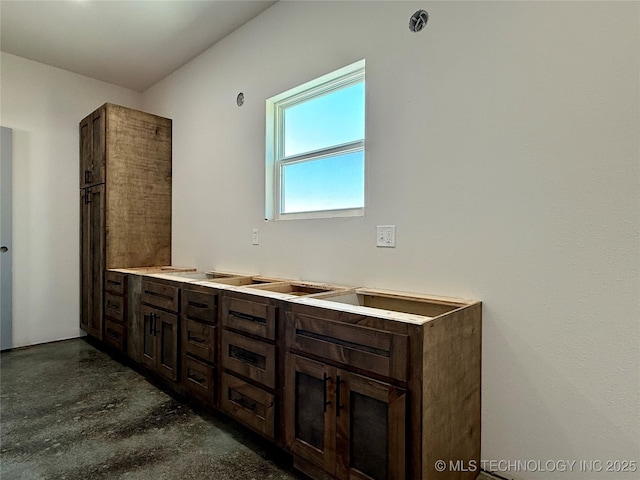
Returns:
point(327, 183)
point(331, 119)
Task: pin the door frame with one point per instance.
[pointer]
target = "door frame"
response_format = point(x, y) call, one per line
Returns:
point(6, 236)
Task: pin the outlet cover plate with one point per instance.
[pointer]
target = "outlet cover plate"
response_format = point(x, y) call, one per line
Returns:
point(255, 237)
point(386, 236)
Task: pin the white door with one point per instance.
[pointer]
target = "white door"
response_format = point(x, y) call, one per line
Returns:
point(6, 328)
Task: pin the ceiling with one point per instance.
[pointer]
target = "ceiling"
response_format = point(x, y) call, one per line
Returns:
point(133, 43)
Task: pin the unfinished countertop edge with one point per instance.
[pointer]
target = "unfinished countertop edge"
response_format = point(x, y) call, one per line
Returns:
point(167, 269)
point(365, 311)
point(315, 300)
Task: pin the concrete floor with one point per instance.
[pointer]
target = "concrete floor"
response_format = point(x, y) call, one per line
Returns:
point(68, 411)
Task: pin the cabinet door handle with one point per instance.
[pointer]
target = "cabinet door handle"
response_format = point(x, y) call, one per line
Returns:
point(154, 318)
point(325, 380)
point(150, 323)
point(338, 406)
point(87, 196)
point(87, 174)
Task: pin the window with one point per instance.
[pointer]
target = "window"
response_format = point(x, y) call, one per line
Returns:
point(315, 148)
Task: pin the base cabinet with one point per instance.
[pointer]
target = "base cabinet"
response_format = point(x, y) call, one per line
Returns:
point(160, 344)
point(350, 426)
point(198, 320)
point(161, 334)
point(116, 316)
point(352, 396)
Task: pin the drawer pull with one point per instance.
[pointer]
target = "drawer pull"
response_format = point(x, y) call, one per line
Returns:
point(113, 334)
point(195, 339)
point(113, 282)
point(110, 304)
point(244, 316)
point(158, 294)
point(244, 355)
point(246, 404)
point(247, 356)
point(196, 378)
point(198, 304)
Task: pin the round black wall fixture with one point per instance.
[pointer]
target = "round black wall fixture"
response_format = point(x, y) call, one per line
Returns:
point(240, 99)
point(418, 20)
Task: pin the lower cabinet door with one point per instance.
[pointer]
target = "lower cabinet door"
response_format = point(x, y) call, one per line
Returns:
point(166, 330)
point(310, 400)
point(371, 430)
point(149, 343)
point(160, 342)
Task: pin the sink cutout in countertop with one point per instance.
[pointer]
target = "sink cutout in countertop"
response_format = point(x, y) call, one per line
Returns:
point(396, 303)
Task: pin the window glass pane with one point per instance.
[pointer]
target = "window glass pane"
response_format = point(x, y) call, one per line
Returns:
point(328, 183)
point(332, 119)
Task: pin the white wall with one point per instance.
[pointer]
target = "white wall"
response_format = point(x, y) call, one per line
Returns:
point(503, 143)
point(43, 105)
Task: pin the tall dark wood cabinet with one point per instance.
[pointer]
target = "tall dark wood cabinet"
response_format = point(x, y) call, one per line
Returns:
point(125, 200)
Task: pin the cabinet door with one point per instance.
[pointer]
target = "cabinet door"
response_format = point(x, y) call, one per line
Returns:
point(310, 411)
point(370, 428)
point(92, 149)
point(97, 234)
point(85, 260)
point(92, 233)
point(166, 331)
point(149, 343)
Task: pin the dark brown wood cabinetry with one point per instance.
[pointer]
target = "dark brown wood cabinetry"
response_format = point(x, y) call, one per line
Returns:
point(349, 425)
point(115, 310)
point(92, 261)
point(159, 310)
point(125, 200)
point(199, 319)
point(250, 386)
point(381, 392)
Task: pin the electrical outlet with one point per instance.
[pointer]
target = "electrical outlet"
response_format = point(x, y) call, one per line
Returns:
point(255, 237)
point(386, 236)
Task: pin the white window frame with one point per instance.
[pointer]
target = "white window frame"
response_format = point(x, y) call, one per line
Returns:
point(275, 158)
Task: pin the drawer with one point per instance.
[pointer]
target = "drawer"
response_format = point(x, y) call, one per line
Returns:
point(199, 339)
point(199, 305)
point(114, 306)
point(250, 405)
point(376, 351)
point(198, 378)
point(249, 357)
point(160, 295)
point(115, 334)
point(115, 282)
point(251, 317)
